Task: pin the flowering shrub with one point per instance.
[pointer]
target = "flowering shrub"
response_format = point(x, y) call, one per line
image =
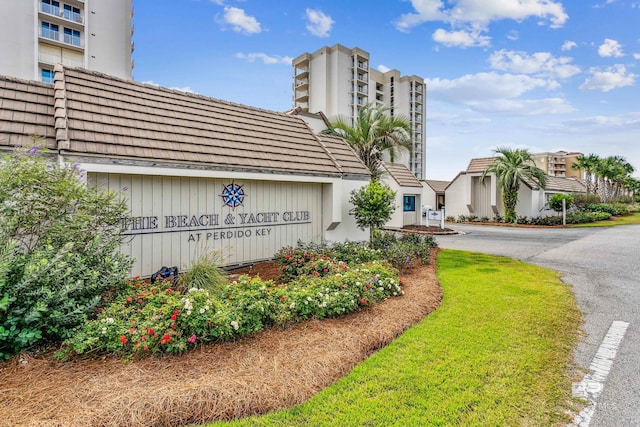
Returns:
point(294, 261)
point(155, 319)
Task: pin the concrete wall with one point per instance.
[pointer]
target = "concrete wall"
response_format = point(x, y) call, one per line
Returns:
point(18, 33)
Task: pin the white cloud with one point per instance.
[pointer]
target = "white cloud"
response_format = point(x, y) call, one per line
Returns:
point(609, 79)
point(513, 35)
point(218, 2)
point(636, 56)
point(541, 64)
point(266, 59)
point(568, 45)
point(461, 38)
point(497, 93)
point(481, 12)
point(240, 21)
point(318, 23)
point(610, 48)
point(383, 68)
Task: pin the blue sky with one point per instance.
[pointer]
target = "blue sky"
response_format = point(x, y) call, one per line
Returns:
point(543, 75)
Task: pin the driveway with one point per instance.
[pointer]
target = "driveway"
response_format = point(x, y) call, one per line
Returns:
point(603, 267)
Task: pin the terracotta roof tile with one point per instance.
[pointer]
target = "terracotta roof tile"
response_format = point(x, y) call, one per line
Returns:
point(348, 160)
point(480, 164)
point(437, 186)
point(401, 175)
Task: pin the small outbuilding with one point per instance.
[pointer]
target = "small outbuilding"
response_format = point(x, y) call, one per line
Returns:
point(408, 195)
point(467, 194)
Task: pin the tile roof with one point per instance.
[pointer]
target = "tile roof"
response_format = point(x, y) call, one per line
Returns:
point(401, 175)
point(87, 113)
point(567, 185)
point(480, 164)
point(26, 110)
point(344, 155)
point(437, 186)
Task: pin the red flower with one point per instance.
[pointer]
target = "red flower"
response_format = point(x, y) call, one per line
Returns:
point(325, 270)
point(136, 278)
point(174, 317)
point(169, 290)
point(132, 330)
point(128, 299)
point(150, 331)
point(123, 339)
point(363, 301)
point(140, 301)
point(146, 348)
point(192, 338)
point(143, 338)
point(282, 298)
point(165, 339)
point(176, 311)
point(173, 326)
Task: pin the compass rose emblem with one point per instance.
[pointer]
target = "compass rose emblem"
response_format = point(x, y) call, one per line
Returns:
point(233, 195)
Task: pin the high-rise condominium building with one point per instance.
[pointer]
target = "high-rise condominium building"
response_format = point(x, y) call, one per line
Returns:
point(37, 34)
point(559, 163)
point(338, 81)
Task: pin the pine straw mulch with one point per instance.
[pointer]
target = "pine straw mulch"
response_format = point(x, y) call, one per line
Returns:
point(273, 369)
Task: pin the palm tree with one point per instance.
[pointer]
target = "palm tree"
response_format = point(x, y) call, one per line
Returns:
point(612, 172)
point(589, 165)
point(373, 133)
point(511, 168)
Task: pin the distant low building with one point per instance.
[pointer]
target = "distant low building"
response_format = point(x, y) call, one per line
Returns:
point(434, 193)
point(467, 194)
point(559, 164)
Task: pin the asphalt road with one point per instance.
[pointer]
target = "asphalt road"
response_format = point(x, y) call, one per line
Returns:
point(603, 267)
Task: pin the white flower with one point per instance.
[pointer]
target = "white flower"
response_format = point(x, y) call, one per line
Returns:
point(292, 305)
point(206, 307)
point(104, 330)
point(110, 320)
point(235, 325)
point(188, 312)
point(201, 311)
point(193, 289)
point(306, 303)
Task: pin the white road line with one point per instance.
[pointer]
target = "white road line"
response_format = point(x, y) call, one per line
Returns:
point(591, 385)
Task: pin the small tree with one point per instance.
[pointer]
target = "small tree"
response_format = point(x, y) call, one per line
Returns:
point(59, 249)
point(555, 202)
point(373, 206)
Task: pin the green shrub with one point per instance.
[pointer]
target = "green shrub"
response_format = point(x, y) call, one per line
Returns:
point(355, 253)
point(584, 217)
point(580, 200)
point(600, 207)
point(60, 249)
point(402, 251)
point(555, 202)
point(621, 208)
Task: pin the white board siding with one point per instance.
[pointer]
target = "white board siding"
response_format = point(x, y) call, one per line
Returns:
point(166, 197)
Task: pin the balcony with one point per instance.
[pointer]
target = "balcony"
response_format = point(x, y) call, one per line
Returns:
point(65, 39)
point(64, 15)
point(301, 96)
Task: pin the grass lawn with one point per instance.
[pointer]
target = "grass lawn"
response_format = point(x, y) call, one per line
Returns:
point(633, 218)
point(495, 353)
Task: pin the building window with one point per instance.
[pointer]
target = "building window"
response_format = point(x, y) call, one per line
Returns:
point(49, 31)
point(409, 204)
point(46, 75)
point(72, 13)
point(72, 36)
point(51, 7)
